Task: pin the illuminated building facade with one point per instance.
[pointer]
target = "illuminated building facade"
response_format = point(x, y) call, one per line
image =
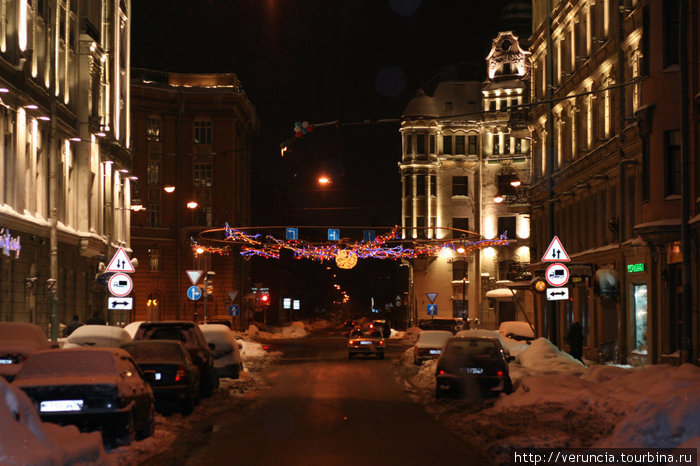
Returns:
point(465, 148)
point(64, 156)
point(193, 143)
point(615, 172)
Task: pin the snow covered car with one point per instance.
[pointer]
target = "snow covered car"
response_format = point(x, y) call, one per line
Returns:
point(173, 376)
point(18, 340)
point(367, 342)
point(429, 345)
point(189, 333)
point(103, 336)
point(224, 349)
point(453, 325)
point(517, 330)
point(91, 388)
point(472, 366)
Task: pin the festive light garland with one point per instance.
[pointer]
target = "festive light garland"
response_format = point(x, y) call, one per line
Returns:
point(345, 255)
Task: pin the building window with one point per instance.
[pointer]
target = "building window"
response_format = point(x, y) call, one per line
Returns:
point(432, 143)
point(460, 185)
point(409, 144)
point(420, 225)
point(153, 129)
point(433, 227)
point(420, 185)
point(202, 132)
point(203, 216)
point(646, 177)
point(433, 185)
point(472, 146)
point(201, 176)
point(447, 145)
point(459, 270)
point(153, 172)
point(408, 185)
point(671, 32)
point(672, 162)
point(518, 146)
point(492, 105)
point(496, 145)
point(459, 145)
point(506, 145)
point(506, 225)
point(459, 223)
point(420, 143)
point(153, 215)
point(154, 260)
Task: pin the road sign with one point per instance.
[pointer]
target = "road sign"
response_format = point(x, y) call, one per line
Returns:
point(120, 263)
point(194, 293)
point(234, 310)
point(120, 284)
point(555, 252)
point(369, 235)
point(292, 234)
point(557, 294)
point(557, 274)
point(232, 295)
point(432, 309)
point(125, 304)
point(333, 234)
point(194, 275)
point(431, 297)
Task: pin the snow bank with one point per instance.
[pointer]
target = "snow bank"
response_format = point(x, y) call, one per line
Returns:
point(516, 327)
point(295, 330)
point(25, 439)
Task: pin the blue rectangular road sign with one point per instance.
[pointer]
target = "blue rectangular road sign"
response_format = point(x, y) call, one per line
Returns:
point(333, 234)
point(292, 234)
point(234, 310)
point(432, 309)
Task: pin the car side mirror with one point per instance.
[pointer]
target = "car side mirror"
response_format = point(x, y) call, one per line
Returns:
point(510, 358)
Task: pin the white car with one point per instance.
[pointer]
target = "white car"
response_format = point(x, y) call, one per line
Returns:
point(429, 345)
point(103, 336)
point(225, 349)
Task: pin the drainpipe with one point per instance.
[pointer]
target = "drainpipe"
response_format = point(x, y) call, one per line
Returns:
point(621, 208)
point(52, 282)
point(550, 306)
point(178, 206)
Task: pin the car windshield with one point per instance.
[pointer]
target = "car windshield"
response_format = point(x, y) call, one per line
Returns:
point(481, 347)
point(151, 351)
point(433, 337)
point(68, 363)
point(178, 333)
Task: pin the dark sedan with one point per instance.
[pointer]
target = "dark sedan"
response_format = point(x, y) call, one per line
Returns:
point(171, 372)
point(472, 367)
point(91, 388)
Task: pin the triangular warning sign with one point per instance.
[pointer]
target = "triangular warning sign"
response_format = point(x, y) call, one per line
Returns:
point(555, 252)
point(120, 263)
point(431, 296)
point(194, 275)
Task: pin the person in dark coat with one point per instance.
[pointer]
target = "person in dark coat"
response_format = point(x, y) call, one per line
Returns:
point(575, 338)
point(72, 325)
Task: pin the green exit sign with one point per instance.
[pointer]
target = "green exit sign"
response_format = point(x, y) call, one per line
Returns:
point(639, 267)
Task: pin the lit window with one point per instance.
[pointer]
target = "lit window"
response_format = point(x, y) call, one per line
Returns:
point(153, 129)
point(202, 174)
point(154, 260)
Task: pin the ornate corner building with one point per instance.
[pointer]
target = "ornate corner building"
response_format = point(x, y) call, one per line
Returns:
point(65, 185)
point(466, 160)
point(615, 93)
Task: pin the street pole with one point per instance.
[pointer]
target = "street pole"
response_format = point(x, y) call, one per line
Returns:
point(206, 295)
point(53, 190)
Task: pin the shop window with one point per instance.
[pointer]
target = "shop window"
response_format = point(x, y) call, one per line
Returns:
point(640, 319)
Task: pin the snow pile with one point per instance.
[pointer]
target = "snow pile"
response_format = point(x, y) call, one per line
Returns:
point(316, 325)
point(542, 357)
point(295, 330)
point(411, 335)
point(25, 439)
point(252, 349)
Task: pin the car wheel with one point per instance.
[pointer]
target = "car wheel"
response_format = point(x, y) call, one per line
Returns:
point(187, 405)
point(126, 436)
point(149, 426)
point(508, 386)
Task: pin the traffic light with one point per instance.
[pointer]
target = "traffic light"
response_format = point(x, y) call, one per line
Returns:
point(265, 298)
point(538, 285)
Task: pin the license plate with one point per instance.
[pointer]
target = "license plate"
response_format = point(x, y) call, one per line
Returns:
point(5, 361)
point(364, 342)
point(473, 370)
point(61, 405)
point(434, 351)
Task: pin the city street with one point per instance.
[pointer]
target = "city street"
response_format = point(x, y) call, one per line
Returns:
point(322, 408)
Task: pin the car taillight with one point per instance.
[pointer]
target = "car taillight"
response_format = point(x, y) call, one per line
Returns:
point(353, 342)
point(381, 343)
point(441, 372)
point(180, 373)
point(499, 373)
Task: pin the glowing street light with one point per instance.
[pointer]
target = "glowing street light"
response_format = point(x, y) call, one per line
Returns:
point(192, 205)
point(323, 179)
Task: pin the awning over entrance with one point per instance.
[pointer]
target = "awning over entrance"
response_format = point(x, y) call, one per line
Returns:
point(501, 293)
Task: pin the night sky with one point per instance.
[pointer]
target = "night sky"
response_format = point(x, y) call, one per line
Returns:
point(351, 61)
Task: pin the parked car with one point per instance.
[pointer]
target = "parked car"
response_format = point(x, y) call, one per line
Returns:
point(18, 340)
point(472, 366)
point(225, 322)
point(517, 330)
point(224, 349)
point(91, 388)
point(429, 345)
point(189, 333)
point(366, 341)
point(173, 375)
point(132, 327)
point(95, 335)
point(454, 324)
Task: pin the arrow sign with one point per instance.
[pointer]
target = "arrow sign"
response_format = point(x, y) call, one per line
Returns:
point(120, 303)
point(557, 294)
point(120, 263)
point(194, 293)
point(432, 309)
point(555, 252)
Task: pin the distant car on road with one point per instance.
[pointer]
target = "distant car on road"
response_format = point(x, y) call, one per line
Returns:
point(189, 333)
point(429, 345)
point(368, 341)
point(18, 340)
point(453, 325)
point(224, 349)
point(91, 388)
point(170, 370)
point(472, 366)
